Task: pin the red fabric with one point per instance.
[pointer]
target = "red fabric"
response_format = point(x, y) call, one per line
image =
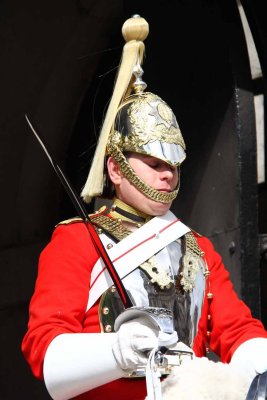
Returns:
point(231, 322)
point(60, 298)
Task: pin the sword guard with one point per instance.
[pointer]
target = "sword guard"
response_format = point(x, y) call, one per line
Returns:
point(160, 317)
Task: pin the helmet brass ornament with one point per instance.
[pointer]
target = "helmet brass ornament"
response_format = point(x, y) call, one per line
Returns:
point(136, 121)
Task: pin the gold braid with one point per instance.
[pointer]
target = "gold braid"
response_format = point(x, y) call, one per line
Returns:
point(129, 173)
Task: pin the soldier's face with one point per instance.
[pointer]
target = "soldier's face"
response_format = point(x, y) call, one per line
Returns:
point(154, 172)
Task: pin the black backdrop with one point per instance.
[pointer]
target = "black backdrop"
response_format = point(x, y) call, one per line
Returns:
point(58, 63)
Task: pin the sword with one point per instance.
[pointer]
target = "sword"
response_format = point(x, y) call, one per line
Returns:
point(81, 210)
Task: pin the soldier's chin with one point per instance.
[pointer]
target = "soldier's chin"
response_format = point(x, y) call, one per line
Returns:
point(159, 208)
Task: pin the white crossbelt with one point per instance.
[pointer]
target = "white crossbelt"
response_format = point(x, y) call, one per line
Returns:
point(135, 249)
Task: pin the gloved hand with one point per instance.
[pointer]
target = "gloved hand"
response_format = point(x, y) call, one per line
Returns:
point(135, 339)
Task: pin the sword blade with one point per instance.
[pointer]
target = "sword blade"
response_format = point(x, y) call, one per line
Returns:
point(81, 210)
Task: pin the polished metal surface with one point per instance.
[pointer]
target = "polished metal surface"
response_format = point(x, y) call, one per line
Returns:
point(184, 306)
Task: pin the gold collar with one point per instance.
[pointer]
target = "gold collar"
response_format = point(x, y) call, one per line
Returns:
point(125, 212)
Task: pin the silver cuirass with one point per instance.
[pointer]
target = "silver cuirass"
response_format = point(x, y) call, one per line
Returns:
point(173, 279)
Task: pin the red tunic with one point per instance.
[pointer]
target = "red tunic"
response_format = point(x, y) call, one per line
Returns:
point(61, 294)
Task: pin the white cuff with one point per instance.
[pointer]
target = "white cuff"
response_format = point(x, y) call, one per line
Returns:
point(251, 356)
point(78, 362)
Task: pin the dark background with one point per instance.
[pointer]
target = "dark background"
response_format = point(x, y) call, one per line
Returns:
point(58, 64)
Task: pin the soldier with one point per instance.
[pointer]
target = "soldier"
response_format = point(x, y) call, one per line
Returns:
point(80, 340)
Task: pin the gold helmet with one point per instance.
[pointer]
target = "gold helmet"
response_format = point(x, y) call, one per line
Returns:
point(136, 121)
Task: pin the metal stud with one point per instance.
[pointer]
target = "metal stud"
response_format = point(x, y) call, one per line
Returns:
point(108, 328)
point(105, 311)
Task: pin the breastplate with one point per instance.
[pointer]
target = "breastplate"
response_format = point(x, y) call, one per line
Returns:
point(185, 305)
point(181, 289)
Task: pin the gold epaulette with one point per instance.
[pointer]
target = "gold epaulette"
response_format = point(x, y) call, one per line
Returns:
point(79, 219)
point(196, 233)
point(191, 245)
point(108, 224)
point(111, 226)
point(70, 221)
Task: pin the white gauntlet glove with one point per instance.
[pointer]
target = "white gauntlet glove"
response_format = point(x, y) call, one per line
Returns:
point(135, 339)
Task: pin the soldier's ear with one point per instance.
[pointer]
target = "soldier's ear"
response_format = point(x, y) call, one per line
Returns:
point(114, 171)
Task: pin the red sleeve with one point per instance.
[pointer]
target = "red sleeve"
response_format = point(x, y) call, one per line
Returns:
point(231, 321)
point(61, 292)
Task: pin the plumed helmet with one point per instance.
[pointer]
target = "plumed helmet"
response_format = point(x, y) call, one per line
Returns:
point(136, 121)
